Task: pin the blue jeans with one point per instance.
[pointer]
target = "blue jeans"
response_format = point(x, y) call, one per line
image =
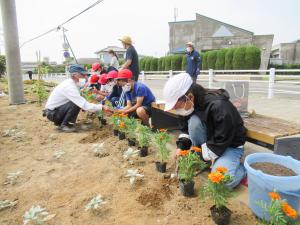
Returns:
point(230, 159)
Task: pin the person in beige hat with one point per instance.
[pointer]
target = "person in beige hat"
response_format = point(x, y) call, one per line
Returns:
point(132, 59)
point(193, 61)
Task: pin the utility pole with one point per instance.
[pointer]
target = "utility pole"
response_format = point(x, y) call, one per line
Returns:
point(13, 62)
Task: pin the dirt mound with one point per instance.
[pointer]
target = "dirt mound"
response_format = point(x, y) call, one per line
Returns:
point(151, 198)
point(96, 136)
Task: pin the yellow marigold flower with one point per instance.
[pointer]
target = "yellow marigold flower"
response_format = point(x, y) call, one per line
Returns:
point(162, 130)
point(183, 152)
point(274, 196)
point(122, 125)
point(289, 211)
point(216, 177)
point(222, 169)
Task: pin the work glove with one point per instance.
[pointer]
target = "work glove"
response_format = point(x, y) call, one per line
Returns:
point(183, 142)
point(207, 154)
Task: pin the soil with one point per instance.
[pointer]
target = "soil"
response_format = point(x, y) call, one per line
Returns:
point(64, 186)
point(273, 169)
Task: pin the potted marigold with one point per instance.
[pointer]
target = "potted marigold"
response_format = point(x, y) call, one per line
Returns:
point(215, 189)
point(161, 138)
point(130, 131)
point(279, 211)
point(102, 120)
point(122, 126)
point(114, 120)
point(144, 137)
point(188, 163)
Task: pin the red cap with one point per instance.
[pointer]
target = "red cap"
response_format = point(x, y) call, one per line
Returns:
point(124, 74)
point(96, 66)
point(112, 74)
point(94, 79)
point(103, 79)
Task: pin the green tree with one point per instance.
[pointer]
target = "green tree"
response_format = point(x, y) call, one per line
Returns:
point(168, 60)
point(2, 65)
point(142, 62)
point(228, 58)
point(147, 63)
point(163, 62)
point(159, 64)
point(204, 60)
point(220, 63)
point(183, 63)
point(252, 58)
point(238, 61)
point(211, 59)
point(176, 61)
point(153, 64)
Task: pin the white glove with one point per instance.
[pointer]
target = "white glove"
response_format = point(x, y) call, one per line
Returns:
point(207, 154)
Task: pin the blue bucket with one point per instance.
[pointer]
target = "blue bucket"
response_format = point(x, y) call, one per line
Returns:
point(260, 184)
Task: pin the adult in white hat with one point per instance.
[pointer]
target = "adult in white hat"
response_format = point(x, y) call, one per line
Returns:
point(131, 59)
point(211, 121)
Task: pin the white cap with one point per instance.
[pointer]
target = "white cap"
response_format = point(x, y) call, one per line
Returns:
point(176, 87)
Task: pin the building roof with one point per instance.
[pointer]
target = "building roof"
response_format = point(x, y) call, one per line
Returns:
point(214, 20)
point(83, 61)
point(114, 48)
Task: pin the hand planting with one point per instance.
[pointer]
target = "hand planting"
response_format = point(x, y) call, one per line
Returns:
point(95, 203)
point(36, 215)
point(133, 175)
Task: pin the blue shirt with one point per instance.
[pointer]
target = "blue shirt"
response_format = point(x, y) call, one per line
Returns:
point(140, 90)
point(193, 63)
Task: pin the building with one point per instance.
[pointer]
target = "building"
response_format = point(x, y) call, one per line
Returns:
point(286, 53)
point(104, 56)
point(210, 34)
point(31, 66)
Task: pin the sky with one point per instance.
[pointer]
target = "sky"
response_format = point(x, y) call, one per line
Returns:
point(146, 21)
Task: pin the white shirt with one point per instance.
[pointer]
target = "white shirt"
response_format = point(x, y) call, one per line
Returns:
point(68, 91)
point(114, 62)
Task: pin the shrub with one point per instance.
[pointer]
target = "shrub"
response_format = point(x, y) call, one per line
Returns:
point(176, 61)
point(183, 62)
point(2, 64)
point(168, 60)
point(153, 64)
point(142, 64)
point(147, 63)
point(252, 57)
point(220, 62)
point(159, 64)
point(211, 59)
point(228, 58)
point(121, 61)
point(163, 61)
point(238, 61)
point(204, 61)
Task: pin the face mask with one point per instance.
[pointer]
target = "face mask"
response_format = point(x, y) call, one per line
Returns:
point(81, 82)
point(184, 112)
point(109, 87)
point(188, 49)
point(126, 87)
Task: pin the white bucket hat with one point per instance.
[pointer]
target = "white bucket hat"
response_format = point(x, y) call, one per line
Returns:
point(176, 87)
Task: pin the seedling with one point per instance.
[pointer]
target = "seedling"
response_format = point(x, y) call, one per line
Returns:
point(95, 203)
point(130, 153)
point(130, 125)
point(7, 204)
point(12, 177)
point(36, 215)
point(133, 175)
point(58, 154)
point(161, 138)
point(115, 121)
point(98, 150)
point(144, 135)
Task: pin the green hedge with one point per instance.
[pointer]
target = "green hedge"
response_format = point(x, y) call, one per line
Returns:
point(228, 58)
point(220, 62)
point(168, 60)
point(176, 62)
point(147, 63)
point(183, 63)
point(238, 61)
point(153, 64)
point(211, 59)
point(252, 58)
point(142, 64)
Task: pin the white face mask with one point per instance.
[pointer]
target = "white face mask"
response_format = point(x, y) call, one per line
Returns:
point(184, 112)
point(189, 49)
point(109, 87)
point(126, 87)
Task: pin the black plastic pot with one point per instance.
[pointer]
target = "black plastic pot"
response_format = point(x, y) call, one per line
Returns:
point(221, 216)
point(131, 142)
point(103, 121)
point(186, 188)
point(116, 132)
point(143, 151)
point(121, 135)
point(161, 167)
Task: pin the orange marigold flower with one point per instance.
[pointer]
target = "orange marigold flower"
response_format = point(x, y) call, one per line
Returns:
point(162, 130)
point(122, 125)
point(274, 196)
point(196, 149)
point(183, 152)
point(216, 177)
point(222, 169)
point(289, 211)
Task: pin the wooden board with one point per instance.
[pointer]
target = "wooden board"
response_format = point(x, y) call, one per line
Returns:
point(262, 128)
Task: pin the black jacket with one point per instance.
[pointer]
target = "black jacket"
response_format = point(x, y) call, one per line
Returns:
point(225, 127)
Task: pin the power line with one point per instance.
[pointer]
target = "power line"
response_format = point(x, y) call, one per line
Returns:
point(60, 25)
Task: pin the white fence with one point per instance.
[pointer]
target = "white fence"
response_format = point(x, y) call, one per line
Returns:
point(268, 77)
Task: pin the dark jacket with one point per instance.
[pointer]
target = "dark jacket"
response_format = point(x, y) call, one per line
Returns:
point(225, 127)
point(193, 63)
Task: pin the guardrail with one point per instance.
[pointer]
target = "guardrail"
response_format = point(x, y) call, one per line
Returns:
point(211, 76)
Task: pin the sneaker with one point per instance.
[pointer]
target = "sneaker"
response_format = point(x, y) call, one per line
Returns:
point(67, 129)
